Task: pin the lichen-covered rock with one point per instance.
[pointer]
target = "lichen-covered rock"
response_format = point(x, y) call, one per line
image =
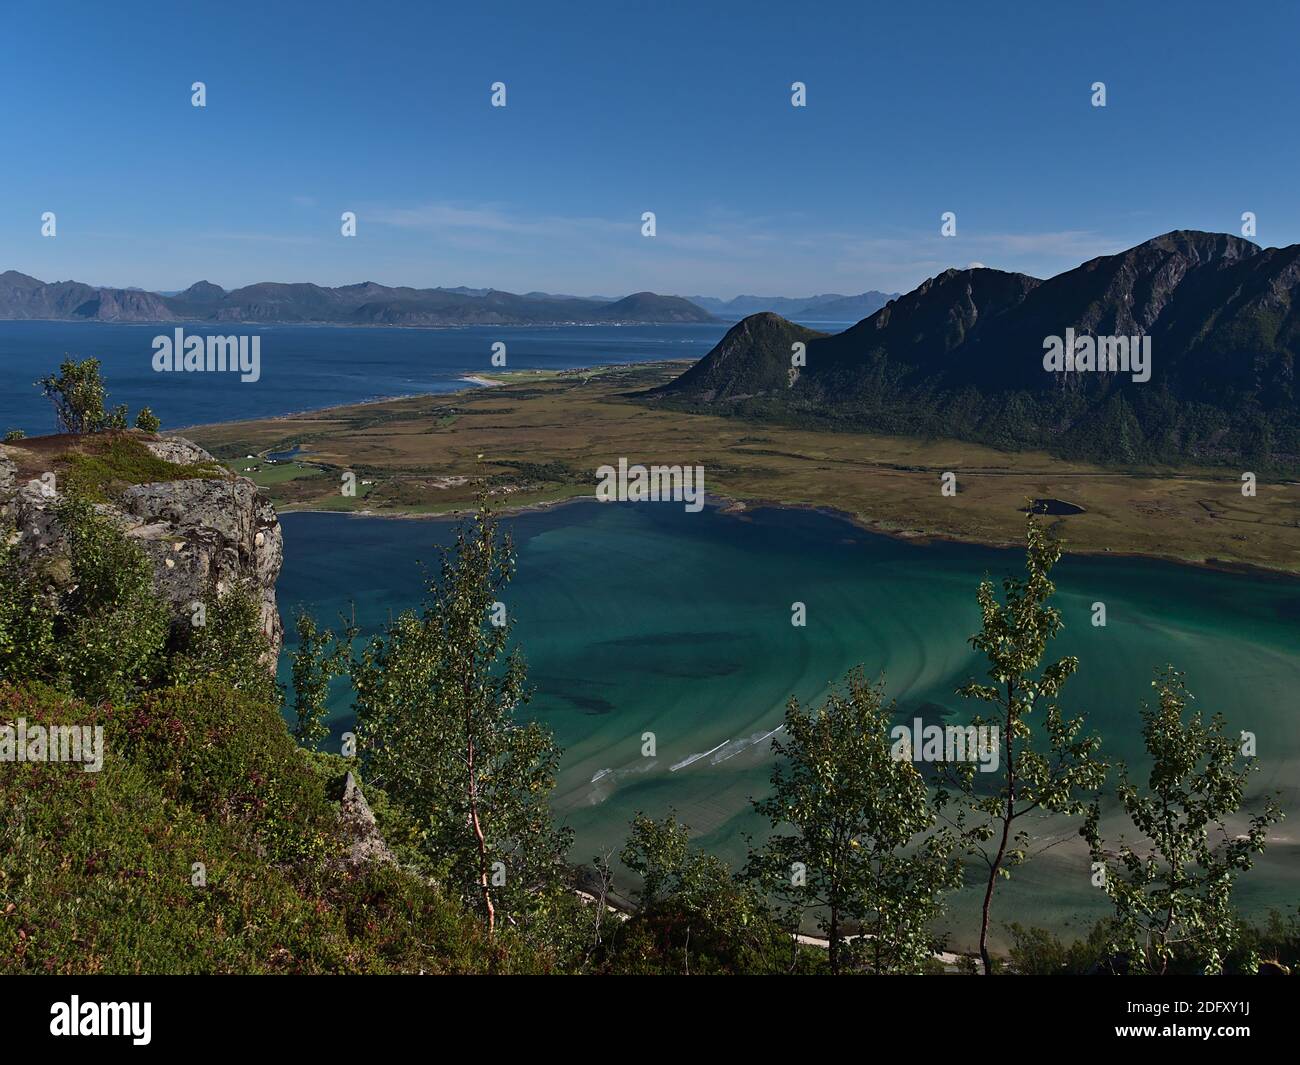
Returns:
point(366, 843)
point(208, 535)
point(179, 450)
point(29, 505)
point(204, 536)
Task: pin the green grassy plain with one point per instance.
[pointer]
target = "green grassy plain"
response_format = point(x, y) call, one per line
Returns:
point(539, 438)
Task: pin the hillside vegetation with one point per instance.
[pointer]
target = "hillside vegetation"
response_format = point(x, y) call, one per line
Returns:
point(195, 833)
point(961, 356)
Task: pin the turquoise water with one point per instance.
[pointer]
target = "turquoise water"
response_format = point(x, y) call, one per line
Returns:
point(642, 618)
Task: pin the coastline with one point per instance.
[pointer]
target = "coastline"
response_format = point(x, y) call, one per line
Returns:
point(476, 381)
point(208, 323)
point(481, 382)
point(912, 527)
point(738, 508)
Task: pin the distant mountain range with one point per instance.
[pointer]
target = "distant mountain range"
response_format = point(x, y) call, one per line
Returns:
point(830, 307)
point(962, 356)
point(24, 297)
point(364, 304)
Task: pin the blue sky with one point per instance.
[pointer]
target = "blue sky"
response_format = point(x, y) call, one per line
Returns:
point(614, 109)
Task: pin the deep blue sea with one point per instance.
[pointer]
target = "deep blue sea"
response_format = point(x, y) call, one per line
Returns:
point(307, 367)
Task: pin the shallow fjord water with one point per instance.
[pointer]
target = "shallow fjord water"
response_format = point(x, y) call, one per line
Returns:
point(641, 618)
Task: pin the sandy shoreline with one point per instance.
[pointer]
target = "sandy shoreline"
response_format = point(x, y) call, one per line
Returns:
point(372, 401)
point(474, 380)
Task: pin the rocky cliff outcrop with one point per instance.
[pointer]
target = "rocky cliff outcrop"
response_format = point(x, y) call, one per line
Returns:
point(365, 843)
point(205, 536)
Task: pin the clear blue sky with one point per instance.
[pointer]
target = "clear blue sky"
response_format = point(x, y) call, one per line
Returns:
point(614, 109)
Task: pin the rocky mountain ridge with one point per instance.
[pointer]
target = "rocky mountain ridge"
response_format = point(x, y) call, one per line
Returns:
point(24, 297)
point(962, 356)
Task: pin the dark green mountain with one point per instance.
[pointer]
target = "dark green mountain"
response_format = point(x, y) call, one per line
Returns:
point(962, 356)
point(753, 359)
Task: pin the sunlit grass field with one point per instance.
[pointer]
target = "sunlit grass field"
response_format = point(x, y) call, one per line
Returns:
point(540, 437)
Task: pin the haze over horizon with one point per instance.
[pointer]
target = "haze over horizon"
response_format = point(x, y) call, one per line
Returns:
point(390, 117)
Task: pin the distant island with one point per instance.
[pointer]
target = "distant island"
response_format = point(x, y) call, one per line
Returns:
point(828, 307)
point(24, 297)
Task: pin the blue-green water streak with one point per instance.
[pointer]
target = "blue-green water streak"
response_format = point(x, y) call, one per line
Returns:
point(643, 618)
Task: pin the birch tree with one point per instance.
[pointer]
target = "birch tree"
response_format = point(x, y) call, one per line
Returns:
point(438, 696)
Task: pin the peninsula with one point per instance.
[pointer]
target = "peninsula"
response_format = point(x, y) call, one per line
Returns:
point(539, 437)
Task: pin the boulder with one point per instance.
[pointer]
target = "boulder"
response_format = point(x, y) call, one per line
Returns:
point(366, 845)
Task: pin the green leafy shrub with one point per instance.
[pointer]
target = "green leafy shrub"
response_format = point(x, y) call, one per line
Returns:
point(695, 917)
point(78, 394)
point(147, 421)
point(229, 646)
point(111, 628)
point(26, 616)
